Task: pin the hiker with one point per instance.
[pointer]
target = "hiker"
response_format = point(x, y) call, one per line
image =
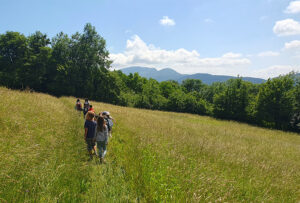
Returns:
point(91, 108)
point(86, 107)
point(89, 133)
point(101, 135)
point(78, 105)
point(109, 121)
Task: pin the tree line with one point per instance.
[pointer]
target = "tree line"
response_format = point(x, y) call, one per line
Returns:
point(78, 65)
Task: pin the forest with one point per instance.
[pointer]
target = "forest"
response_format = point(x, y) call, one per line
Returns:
point(79, 65)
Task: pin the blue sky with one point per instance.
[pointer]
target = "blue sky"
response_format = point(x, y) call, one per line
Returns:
point(258, 38)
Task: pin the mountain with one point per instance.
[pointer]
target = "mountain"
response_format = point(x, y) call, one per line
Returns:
point(170, 74)
point(159, 75)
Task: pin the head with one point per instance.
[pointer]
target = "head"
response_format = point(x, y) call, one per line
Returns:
point(105, 114)
point(89, 115)
point(100, 124)
point(78, 100)
point(91, 106)
point(86, 100)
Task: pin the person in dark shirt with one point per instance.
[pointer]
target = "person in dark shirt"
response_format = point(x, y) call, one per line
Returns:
point(86, 107)
point(89, 132)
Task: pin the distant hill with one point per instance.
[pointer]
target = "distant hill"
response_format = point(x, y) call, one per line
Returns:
point(170, 74)
point(159, 75)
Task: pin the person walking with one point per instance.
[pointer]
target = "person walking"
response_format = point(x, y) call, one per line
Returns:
point(78, 105)
point(109, 121)
point(86, 107)
point(91, 108)
point(89, 133)
point(101, 135)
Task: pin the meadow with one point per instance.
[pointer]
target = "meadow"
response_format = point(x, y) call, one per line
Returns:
point(153, 156)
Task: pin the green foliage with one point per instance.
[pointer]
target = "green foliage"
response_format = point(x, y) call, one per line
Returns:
point(191, 85)
point(79, 64)
point(167, 87)
point(232, 102)
point(151, 97)
point(297, 95)
point(13, 55)
point(275, 102)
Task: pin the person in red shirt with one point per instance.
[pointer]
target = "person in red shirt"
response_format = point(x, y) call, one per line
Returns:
point(91, 109)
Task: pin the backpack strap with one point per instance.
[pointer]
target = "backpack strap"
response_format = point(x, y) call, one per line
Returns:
point(108, 124)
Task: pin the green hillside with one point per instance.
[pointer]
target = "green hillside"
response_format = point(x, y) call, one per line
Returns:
point(153, 156)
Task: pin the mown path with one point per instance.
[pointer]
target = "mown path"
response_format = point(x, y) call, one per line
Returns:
point(43, 154)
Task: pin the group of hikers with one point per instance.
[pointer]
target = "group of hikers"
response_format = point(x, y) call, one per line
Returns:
point(97, 129)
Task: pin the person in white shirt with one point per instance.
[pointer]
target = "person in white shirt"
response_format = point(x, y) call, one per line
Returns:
point(101, 135)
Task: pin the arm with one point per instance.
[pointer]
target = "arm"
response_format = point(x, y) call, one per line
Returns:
point(106, 135)
point(95, 135)
point(85, 132)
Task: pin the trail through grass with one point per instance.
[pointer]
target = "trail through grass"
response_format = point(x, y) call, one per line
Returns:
point(181, 157)
point(153, 156)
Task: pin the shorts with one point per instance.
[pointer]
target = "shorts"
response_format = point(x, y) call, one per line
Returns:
point(90, 143)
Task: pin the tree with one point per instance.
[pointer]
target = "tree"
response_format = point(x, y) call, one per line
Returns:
point(79, 61)
point(13, 56)
point(232, 102)
point(151, 97)
point(167, 87)
point(295, 121)
point(176, 101)
point(60, 82)
point(191, 85)
point(33, 74)
point(275, 102)
point(135, 82)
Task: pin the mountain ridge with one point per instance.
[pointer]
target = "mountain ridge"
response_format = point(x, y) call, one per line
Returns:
point(170, 74)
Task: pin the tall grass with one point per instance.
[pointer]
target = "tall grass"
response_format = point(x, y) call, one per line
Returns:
point(181, 157)
point(41, 148)
point(153, 156)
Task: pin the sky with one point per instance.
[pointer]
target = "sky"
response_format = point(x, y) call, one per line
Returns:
point(258, 38)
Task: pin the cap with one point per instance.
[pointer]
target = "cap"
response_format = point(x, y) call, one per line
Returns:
point(105, 113)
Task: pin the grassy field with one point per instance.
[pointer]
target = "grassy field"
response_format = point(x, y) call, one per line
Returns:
point(153, 156)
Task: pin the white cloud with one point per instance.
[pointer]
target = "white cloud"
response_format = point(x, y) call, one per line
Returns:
point(268, 53)
point(287, 27)
point(166, 21)
point(138, 53)
point(293, 48)
point(294, 7)
point(276, 70)
point(293, 45)
point(209, 20)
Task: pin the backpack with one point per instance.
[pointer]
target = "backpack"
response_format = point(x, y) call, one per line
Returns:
point(86, 106)
point(109, 123)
